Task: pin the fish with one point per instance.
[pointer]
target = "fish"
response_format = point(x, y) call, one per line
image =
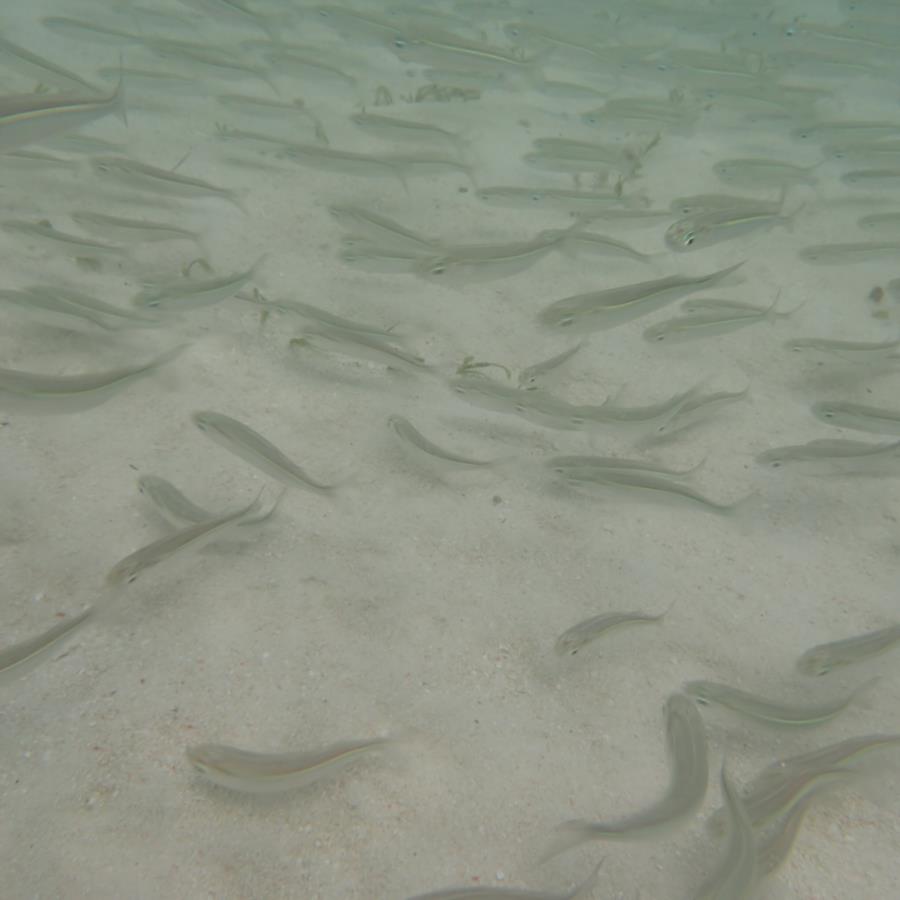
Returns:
point(314, 314)
point(127, 570)
point(24, 656)
point(362, 345)
point(697, 408)
point(855, 351)
point(185, 294)
point(772, 851)
point(702, 203)
point(821, 659)
point(584, 633)
point(654, 487)
point(609, 308)
point(583, 203)
point(530, 375)
point(44, 70)
point(833, 455)
point(844, 254)
point(763, 172)
point(380, 229)
point(29, 118)
point(736, 875)
point(689, 772)
point(842, 753)
point(410, 435)
point(872, 419)
point(710, 324)
point(91, 32)
point(266, 107)
point(252, 447)
point(406, 129)
point(580, 892)
point(712, 226)
point(263, 773)
point(31, 392)
point(772, 712)
point(872, 178)
point(149, 178)
point(880, 222)
point(74, 243)
point(180, 511)
point(132, 230)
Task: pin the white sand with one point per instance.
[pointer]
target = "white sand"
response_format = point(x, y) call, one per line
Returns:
point(413, 605)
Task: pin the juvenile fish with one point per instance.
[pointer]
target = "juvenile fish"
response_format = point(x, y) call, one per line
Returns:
point(380, 229)
point(857, 416)
point(252, 447)
point(408, 433)
point(843, 254)
point(149, 178)
point(264, 773)
point(44, 70)
point(599, 310)
point(22, 657)
point(174, 506)
point(405, 129)
point(584, 203)
point(689, 772)
point(72, 242)
point(127, 570)
point(709, 324)
point(29, 118)
point(761, 172)
point(834, 455)
point(709, 227)
point(581, 892)
point(136, 230)
point(699, 407)
point(701, 203)
point(186, 294)
point(880, 222)
point(584, 633)
point(737, 875)
point(772, 712)
point(529, 376)
point(363, 345)
point(31, 392)
point(855, 351)
point(872, 178)
point(822, 658)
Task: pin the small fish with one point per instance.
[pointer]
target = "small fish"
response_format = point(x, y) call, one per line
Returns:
point(407, 432)
point(833, 455)
point(44, 70)
point(149, 178)
point(763, 172)
point(773, 850)
point(22, 657)
point(380, 229)
point(29, 118)
point(821, 659)
point(855, 351)
point(127, 570)
point(701, 203)
point(858, 417)
point(880, 222)
point(710, 324)
point(180, 511)
point(30, 392)
point(698, 408)
point(584, 633)
point(584, 203)
point(709, 227)
point(842, 753)
point(177, 296)
point(736, 875)
point(75, 244)
point(136, 230)
point(872, 178)
point(689, 773)
point(252, 447)
point(772, 712)
point(362, 345)
point(581, 892)
point(313, 314)
point(529, 376)
point(844, 254)
point(264, 773)
point(64, 308)
point(600, 310)
point(405, 129)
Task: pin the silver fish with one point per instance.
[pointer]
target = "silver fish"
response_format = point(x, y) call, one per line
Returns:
point(407, 432)
point(263, 773)
point(22, 657)
point(30, 392)
point(128, 569)
point(29, 118)
point(185, 294)
point(772, 712)
point(687, 750)
point(843, 254)
point(609, 308)
point(136, 230)
point(835, 455)
point(822, 658)
point(584, 633)
point(875, 420)
point(709, 227)
point(252, 447)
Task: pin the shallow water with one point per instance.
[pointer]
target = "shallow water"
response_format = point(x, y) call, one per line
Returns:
point(421, 599)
